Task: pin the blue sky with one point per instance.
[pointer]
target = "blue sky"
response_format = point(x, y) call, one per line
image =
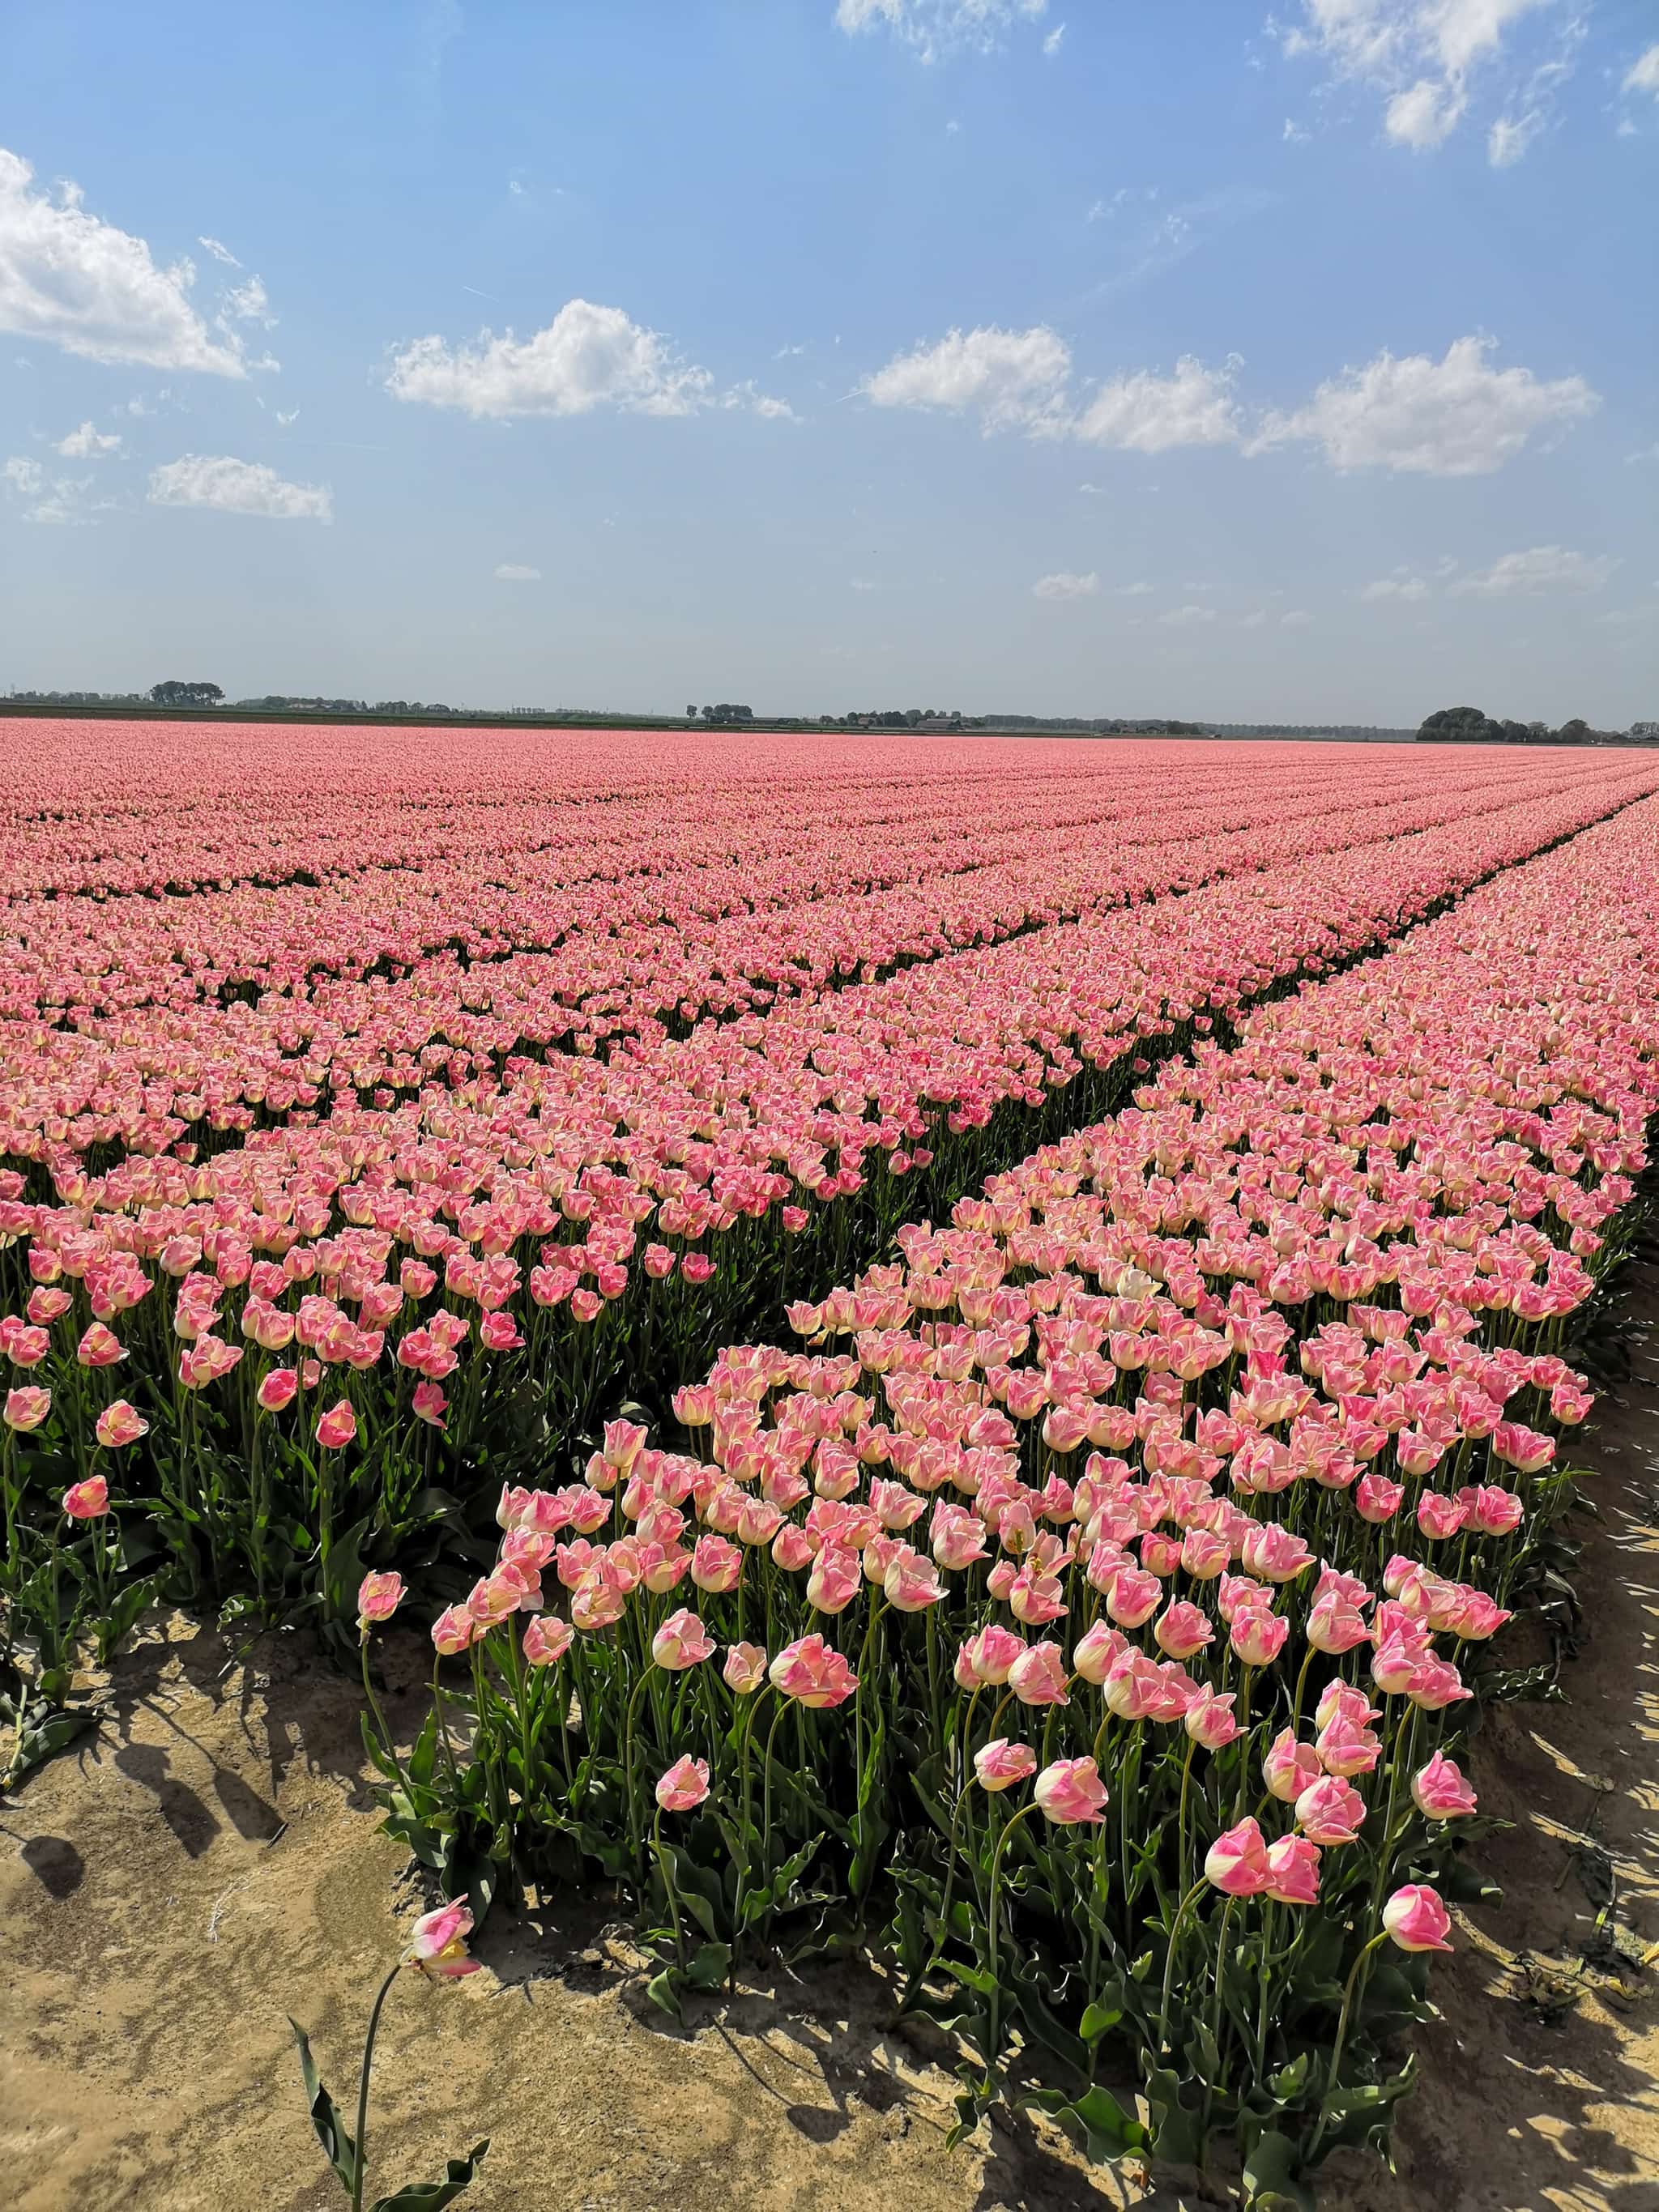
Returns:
point(1083, 357)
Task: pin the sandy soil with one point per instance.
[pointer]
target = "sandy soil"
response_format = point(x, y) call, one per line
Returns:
point(209, 1864)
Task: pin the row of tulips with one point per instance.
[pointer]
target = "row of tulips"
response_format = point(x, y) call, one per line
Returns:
point(1081, 1618)
point(372, 1391)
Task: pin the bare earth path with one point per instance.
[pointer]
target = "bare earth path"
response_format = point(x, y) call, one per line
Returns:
point(211, 1864)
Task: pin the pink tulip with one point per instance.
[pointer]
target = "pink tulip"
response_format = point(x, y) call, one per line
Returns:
point(1037, 1677)
point(1417, 1920)
point(27, 1407)
point(681, 1641)
point(1293, 1870)
point(1346, 1749)
point(999, 1765)
point(912, 1584)
point(277, 1388)
point(833, 1580)
point(88, 1500)
point(1290, 1767)
point(813, 1674)
point(1182, 1631)
point(99, 1347)
point(338, 1426)
point(1440, 1792)
point(437, 1943)
point(1237, 1862)
point(119, 1425)
point(1209, 1720)
point(453, 1630)
point(684, 1785)
point(1377, 1499)
point(1258, 1637)
point(546, 1639)
point(744, 1669)
point(1330, 1812)
point(986, 1657)
point(1071, 1793)
point(378, 1596)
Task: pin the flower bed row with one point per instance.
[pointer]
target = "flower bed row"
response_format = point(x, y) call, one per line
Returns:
point(299, 1355)
point(1081, 1618)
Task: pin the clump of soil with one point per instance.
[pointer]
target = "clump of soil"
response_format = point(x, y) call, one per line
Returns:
point(209, 1863)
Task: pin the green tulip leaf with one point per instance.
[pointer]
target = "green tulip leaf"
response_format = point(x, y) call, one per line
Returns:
point(432, 2195)
point(337, 2146)
point(1270, 2177)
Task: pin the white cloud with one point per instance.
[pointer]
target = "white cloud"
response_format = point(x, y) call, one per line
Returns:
point(588, 356)
point(1064, 584)
point(1140, 591)
point(1051, 43)
point(1297, 618)
point(247, 303)
point(219, 251)
point(1010, 379)
point(49, 500)
point(935, 27)
point(1424, 114)
point(77, 281)
point(860, 584)
point(1402, 585)
point(1643, 75)
point(1254, 620)
point(1020, 380)
point(1186, 617)
point(1291, 135)
point(1147, 414)
point(1455, 417)
point(238, 488)
point(292, 415)
point(1542, 568)
point(758, 402)
point(514, 572)
point(1425, 55)
point(88, 444)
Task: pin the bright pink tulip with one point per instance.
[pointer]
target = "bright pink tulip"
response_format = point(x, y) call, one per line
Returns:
point(99, 1347)
point(1258, 1637)
point(1071, 1793)
point(1416, 1919)
point(684, 1785)
point(1183, 1630)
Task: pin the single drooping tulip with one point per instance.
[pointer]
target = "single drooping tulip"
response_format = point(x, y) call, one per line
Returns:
point(1440, 1792)
point(437, 1943)
point(88, 1500)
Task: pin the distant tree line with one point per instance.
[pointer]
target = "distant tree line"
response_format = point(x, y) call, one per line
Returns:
point(1472, 726)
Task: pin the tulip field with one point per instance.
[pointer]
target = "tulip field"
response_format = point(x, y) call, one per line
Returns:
point(963, 1347)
